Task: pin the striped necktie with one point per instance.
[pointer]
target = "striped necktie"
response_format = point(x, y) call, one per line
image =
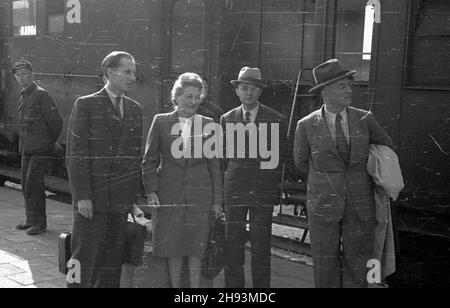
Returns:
point(116, 106)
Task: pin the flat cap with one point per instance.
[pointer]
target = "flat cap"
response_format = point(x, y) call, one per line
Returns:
point(22, 64)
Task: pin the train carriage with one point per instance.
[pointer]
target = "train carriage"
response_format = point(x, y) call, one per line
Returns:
point(400, 49)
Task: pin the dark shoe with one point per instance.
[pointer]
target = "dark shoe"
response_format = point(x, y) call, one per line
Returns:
point(36, 230)
point(23, 227)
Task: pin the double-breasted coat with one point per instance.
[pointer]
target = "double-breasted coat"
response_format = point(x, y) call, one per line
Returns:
point(103, 162)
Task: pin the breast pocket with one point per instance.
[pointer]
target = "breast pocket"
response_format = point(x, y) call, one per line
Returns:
point(35, 112)
point(31, 118)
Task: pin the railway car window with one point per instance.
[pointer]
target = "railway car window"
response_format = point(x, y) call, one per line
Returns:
point(55, 17)
point(353, 37)
point(428, 56)
point(24, 17)
point(187, 30)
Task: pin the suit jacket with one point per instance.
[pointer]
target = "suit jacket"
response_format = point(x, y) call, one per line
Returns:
point(245, 182)
point(40, 121)
point(104, 152)
point(331, 185)
point(196, 180)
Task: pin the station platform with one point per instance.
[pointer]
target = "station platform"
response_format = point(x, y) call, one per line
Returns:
point(32, 261)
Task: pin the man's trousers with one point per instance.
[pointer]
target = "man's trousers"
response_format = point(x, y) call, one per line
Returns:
point(341, 250)
point(34, 169)
point(98, 245)
point(260, 221)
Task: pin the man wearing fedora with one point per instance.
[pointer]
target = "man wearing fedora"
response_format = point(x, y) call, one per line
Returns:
point(40, 126)
point(249, 189)
point(331, 149)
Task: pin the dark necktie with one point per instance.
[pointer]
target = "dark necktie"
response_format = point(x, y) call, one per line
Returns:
point(342, 144)
point(248, 118)
point(117, 107)
point(21, 101)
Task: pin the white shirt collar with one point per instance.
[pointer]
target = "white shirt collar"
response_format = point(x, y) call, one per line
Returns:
point(184, 119)
point(253, 112)
point(112, 96)
point(332, 116)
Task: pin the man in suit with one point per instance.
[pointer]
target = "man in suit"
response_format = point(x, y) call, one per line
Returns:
point(249, 188)
point(40, 126)
point(103, 162)
point(331, 149)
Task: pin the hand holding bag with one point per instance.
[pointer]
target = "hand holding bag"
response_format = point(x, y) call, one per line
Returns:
point(134, 242)
point(214, 260)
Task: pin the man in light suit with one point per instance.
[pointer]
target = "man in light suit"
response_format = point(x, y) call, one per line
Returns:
point(331, 149)
point(250, 189)
point(103, 162)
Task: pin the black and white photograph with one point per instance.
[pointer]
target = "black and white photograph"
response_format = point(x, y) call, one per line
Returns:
point(236, 147)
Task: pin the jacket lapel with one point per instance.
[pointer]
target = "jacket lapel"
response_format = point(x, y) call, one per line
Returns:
point(239, 117)
point(126, 123)
point(261, 114)
point(323, 131)
point(172, 120)
point(195, 136)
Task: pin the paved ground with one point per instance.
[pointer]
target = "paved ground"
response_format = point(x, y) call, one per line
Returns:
point(27, 261)
point(32, 262)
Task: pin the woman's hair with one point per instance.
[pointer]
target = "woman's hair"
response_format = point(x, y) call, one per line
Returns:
point(187, 80)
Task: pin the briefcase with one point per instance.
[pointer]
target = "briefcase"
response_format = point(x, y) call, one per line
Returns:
point(65, 252)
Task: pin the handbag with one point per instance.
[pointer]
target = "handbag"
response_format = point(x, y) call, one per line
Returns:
point(214, 260)
point(134, 242)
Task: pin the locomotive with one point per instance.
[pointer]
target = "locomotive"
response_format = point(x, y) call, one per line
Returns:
point(399, 48)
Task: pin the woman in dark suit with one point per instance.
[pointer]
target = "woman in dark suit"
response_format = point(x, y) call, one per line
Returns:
point(185, 190)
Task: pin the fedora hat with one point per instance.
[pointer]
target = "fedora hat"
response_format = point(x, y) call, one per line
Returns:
point(249, 75)
point(329, 72)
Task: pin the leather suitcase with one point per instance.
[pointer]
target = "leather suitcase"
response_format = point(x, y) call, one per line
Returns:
point(64, 250)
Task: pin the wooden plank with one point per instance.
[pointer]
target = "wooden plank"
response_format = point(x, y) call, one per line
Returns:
point(291, 221)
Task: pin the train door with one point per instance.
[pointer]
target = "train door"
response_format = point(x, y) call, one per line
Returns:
point(185, 43)
point(274, 35)
point(286, 48)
